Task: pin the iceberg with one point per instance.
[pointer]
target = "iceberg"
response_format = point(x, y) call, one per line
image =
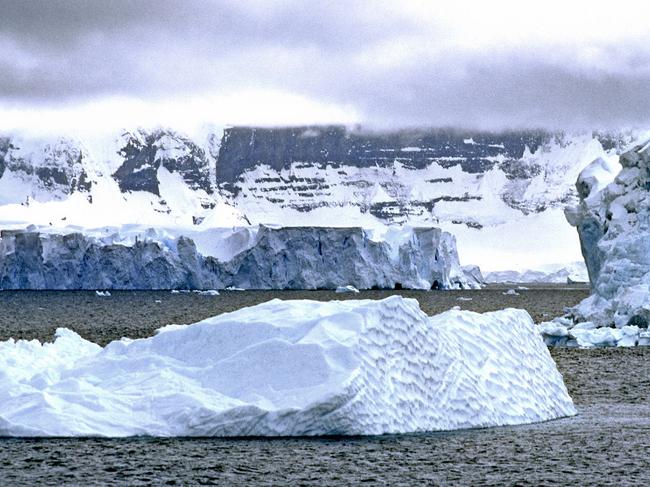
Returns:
point(613, 221)
point(346, 289)
point(358, 367)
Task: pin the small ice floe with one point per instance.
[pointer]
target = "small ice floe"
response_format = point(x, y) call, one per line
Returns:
point(175, 291)
point(158, 301)
point(346, 289)
point(103, 293)
point(463, 298)
point(522, 288)
point(208, 292)
point(644, 338)
point(233, 288)
point(511, 292)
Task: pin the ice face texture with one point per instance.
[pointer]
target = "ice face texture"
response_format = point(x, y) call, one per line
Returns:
point(252, 258)
point(288, 368)
point(613, 221)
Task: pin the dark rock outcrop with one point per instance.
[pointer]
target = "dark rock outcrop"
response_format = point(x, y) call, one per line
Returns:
point(145, 152)
point(244, 148)
point(58, 167)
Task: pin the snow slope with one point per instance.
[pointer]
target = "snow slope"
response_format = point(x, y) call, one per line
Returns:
point(288, 368)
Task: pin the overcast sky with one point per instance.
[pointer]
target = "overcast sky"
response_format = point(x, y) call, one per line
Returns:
point(115, 63)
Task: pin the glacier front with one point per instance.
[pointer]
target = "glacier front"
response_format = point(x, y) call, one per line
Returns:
point(288, 368)
point(261, 257)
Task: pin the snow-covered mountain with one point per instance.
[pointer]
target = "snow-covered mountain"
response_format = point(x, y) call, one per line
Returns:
point(501, 194)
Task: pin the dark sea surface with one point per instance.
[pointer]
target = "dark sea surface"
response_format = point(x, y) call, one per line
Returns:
point(608, 443)
point(137, 314)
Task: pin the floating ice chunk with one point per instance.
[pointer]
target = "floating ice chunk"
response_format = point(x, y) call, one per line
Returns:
point(597, 337)
point(463, 298)
point(585, 325)
point(553, 328)
point(629, 336)
point(555, 333)
point(346, 289)
point(644, 338)
point(612, 221)
point(288, 368)
point(511, 292)
point(562, 332)
point(233, 288)
point(209, 292)
point(103, 293)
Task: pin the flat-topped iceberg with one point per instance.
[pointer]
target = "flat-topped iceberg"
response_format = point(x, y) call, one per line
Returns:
point(288, 368)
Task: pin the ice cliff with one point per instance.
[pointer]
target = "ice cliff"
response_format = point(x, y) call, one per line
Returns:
point(250, 257)
point(288, 368)
point(613, 222)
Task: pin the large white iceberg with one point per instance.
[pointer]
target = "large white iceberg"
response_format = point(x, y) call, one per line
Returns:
point(288, 368)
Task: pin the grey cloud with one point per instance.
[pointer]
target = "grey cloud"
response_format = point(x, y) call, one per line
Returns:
point(81, 48)
point(66, 50)
point(516, 91)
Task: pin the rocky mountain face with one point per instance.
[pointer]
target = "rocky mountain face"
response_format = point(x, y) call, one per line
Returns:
point(305, 168)
point(244, 148)
point(57, 168)
point(279, 258)
point(392, 176)
point(423, 176)
point(143, 153)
